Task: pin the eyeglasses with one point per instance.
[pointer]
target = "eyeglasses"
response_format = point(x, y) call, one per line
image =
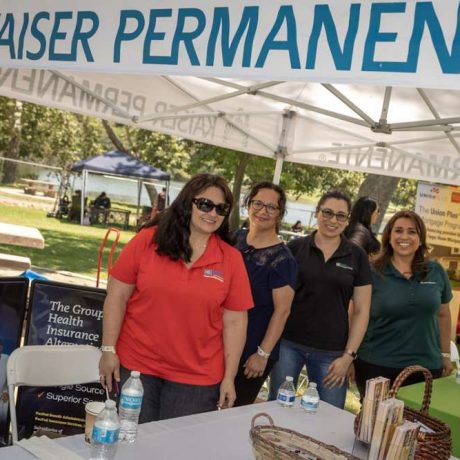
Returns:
point(205, 205)
point(258, 205)
point(328, 214)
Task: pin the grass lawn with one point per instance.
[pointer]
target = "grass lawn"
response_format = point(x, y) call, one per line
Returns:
point(68, 246)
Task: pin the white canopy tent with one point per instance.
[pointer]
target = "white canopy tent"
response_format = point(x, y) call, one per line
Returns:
point(336, 85)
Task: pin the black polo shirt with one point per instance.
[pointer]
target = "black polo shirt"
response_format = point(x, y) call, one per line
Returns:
point(319, 313)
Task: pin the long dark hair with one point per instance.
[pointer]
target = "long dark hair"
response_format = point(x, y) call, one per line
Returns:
point(271, 186)
point(361, 213)
point(420, 260)
point(173, 224)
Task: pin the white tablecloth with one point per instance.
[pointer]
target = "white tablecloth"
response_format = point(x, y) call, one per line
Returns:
point(222, 435)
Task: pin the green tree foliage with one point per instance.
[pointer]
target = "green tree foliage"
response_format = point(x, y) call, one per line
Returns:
point(405, 194)
point(296, 179)
point(51, 136)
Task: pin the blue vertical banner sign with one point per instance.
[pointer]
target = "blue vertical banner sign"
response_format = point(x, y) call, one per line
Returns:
point(60, 314)
point(13, 298)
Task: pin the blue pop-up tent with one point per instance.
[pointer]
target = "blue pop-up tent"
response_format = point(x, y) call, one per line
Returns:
point(118, 164)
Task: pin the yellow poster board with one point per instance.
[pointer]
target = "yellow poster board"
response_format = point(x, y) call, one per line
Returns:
point(439, 207)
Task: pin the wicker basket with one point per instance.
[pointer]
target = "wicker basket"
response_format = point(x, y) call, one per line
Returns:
point(430, 446)
point(270, 442)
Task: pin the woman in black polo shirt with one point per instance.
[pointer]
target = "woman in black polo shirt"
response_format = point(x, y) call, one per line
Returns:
point(331, 272)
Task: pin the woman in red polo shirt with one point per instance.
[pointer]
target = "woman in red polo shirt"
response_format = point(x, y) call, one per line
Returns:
point(176, 306)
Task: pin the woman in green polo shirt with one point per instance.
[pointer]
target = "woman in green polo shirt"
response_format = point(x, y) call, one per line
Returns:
point(410, 319)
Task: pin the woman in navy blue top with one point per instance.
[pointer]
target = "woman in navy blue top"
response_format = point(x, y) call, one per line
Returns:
point(272, 273)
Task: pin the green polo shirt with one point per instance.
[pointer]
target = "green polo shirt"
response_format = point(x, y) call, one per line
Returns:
point(403, 326)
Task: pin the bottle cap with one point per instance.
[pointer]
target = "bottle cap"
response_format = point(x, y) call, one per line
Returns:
point(312, 384)
point(289, 378)
point(110, 404)
point(135, 374)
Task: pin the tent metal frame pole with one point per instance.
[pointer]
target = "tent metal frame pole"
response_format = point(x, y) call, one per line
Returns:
point(422, 123)
point(82, 197)
point(239, 128)
point(211, 100)
point(281, 151)
point(215, 114)
point(167, 193)
point(293, 102)
point(385, 105)
point(339, 95)
point(435, 113)
point(139, 192)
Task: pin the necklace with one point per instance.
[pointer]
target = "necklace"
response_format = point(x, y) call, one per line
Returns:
point(406, 274)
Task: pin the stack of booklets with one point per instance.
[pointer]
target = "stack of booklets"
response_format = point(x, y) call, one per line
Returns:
point(389, 417)
point(376, 391)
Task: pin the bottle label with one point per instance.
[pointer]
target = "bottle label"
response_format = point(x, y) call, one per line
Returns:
point(310, 404)
point(105, 435)
point(130, 402)
point(286, 398)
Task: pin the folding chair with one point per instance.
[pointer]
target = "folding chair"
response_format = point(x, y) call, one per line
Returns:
point(49, 365)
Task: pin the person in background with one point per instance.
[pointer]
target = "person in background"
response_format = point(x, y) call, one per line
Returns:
point(364, 214)
point(331, 272)
point(176, 306)
point(297, 227)
point(410, 318)
point(272, 273)
point(102, 201)
point(161, 200)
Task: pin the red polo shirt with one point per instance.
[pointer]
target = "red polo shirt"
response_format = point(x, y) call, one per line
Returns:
point(173, 323)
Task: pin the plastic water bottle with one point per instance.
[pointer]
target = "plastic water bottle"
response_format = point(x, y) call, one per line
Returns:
point(457, 375)
point(130, 407)
point(106, 429)
point(286, 393)
point(310, 399)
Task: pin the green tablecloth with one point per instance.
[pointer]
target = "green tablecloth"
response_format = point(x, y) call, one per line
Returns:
point(445, 404)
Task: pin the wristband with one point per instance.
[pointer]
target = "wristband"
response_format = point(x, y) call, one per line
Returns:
point(109, 348)
point(262, 353)
point(445, 355)
point(351, 353)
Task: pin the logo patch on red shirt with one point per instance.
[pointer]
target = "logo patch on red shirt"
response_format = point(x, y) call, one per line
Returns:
point(211, 273)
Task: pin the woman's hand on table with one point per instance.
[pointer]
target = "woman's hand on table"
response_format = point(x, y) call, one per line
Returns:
point(227, 394)
point(446, 366)
point(255, 366)
point(338, 371)
point(109, 369)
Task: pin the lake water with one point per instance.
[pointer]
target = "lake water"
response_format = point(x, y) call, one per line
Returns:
point(125, 190)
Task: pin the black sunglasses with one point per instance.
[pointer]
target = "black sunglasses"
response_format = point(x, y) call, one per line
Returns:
point(205, 205)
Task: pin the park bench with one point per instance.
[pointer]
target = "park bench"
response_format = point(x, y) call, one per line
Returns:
point(32, 186)
point(13, 262)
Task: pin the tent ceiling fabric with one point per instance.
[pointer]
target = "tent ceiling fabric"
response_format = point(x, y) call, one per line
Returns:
point(247, 75)
point(120, 164)
point(404, 132)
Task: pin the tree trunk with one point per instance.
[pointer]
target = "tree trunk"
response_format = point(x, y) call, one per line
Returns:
point(381, 188)
point(239, 176)
point(12, 151)
point(116, 141)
